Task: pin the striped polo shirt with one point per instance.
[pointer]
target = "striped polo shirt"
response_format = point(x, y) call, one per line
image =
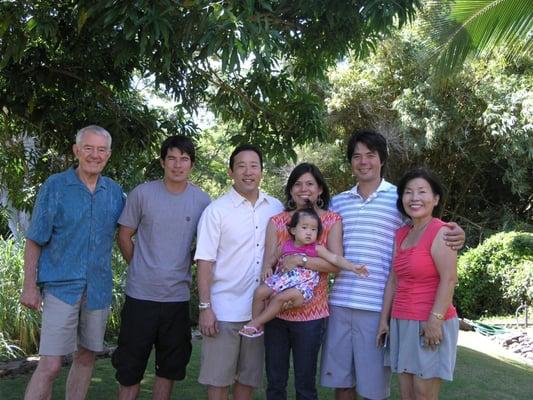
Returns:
point(369, 226)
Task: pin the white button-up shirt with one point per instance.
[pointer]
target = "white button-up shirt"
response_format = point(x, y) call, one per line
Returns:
point(231, 233)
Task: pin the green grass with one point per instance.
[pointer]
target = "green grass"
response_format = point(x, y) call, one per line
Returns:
point(477, 376)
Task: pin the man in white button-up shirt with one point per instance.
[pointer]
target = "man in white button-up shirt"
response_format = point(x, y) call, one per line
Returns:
point(229, 253)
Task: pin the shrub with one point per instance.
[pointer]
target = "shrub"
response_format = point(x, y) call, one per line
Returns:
point(19, 326)
point(521, 286)
point(120, 269)
point(496, 277)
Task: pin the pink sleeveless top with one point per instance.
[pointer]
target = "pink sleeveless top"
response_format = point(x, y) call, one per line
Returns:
point(417, 276)
point(317, 307)
point(289, 247)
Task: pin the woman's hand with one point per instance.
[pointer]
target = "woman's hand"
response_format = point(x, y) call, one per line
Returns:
point(432, 332)
point(290, 262)
point(266, 273)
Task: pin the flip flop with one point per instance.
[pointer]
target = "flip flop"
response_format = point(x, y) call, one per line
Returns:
point(250, 331)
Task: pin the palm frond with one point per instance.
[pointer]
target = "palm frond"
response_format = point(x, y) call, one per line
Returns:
point(478, 27)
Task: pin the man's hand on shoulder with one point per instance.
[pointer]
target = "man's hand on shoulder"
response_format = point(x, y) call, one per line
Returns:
point(454, 236)
point(31, 297)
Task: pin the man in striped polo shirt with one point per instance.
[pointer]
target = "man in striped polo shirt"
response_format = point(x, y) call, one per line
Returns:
point(350, 359)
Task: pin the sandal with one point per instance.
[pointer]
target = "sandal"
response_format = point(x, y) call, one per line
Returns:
point(250, 331)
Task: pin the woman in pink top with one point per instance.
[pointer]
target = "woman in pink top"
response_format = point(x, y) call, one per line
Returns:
point(418, 296)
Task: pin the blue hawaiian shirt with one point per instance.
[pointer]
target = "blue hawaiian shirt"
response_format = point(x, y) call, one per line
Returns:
point(75, 229)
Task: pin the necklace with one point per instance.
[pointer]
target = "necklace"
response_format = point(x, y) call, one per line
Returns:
point(420, 228)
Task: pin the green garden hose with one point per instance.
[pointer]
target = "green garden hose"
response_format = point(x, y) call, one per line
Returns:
point(488, 330)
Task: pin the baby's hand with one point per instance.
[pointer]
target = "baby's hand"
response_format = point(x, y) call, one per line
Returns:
point(266, 273)
point(360, 269)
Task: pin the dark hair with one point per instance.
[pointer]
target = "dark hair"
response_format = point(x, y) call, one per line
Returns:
point(245, 147)
point(375, 141)
point(427, 175)
point(303, 212)
point(182, 143)
point(296, 173)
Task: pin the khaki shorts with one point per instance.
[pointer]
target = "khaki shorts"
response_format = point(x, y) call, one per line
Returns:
point(350, 357)
point(65, 327)
point(229, 357)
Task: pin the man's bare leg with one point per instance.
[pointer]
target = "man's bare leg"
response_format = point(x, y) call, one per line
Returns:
point(79, 376)
point(42, 380)
point(345, 394)
point(128, 392)
point(242, 392)
point(217, 393)
point(162, 388)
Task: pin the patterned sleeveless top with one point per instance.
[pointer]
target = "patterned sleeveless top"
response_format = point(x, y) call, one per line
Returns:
point(318, 306)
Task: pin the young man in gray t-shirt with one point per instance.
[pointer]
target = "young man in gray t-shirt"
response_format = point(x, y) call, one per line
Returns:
point(162, 215)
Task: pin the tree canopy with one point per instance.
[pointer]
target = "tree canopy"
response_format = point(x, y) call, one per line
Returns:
point(249, 60)
point(65, 64)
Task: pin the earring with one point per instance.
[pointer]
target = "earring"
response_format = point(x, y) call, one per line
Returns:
point(291, 205)
point(320, 202)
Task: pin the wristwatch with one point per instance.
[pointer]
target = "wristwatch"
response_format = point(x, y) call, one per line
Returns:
point(204, 306)
point(304, 260)
point(437, 315)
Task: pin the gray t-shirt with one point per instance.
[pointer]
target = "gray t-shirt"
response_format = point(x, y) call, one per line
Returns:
point(160, 269)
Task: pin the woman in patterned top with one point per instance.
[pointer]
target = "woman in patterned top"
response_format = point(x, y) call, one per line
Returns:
point(300, 329)
point(296, 285)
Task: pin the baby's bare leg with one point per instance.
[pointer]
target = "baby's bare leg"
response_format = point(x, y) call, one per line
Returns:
point(261, 295)
point(294, 296)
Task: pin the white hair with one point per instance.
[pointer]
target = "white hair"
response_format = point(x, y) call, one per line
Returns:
point(97, 130)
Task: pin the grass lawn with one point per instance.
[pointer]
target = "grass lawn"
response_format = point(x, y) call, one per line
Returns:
point(477, 376)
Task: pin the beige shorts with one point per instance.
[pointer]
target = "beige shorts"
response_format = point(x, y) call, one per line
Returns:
point(65, 327)
point(229, 357)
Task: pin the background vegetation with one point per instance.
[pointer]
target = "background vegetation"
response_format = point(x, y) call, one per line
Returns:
point(496, 277)
point(296, 77)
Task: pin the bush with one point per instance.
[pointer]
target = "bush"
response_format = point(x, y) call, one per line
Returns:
point(19, 326)
point(120, 269)
point(496, 276)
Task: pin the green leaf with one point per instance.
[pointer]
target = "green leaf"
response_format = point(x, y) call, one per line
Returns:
point(31, 24)
point(478, 27)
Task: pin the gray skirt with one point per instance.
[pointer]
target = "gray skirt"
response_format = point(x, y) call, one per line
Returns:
point(407, 353)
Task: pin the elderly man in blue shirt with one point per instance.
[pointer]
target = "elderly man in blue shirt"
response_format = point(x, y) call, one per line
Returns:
point(67, 264)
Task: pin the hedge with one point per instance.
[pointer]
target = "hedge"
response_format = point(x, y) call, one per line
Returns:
point(496, 276)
